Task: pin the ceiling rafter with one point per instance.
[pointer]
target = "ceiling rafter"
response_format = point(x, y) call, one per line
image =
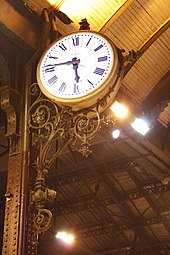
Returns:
point(114, 16)
point(148, 43)
point(111, 166)
point(125, 250)
point(152, 204)
point(100, 228)
point(104, 212)
point(88, 202)
point(135, 221)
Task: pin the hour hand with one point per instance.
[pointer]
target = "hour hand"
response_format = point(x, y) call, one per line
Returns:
point(75, 67)
point(75, 63)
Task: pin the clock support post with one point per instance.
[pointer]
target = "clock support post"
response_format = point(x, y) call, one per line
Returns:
point(49, 123)
point(45, 130)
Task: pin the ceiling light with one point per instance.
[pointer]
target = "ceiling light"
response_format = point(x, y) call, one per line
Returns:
point(58, 3)
point(119, 110)
point(116, 133)
point(65, 237)
point(52, 2)
point(140, 126)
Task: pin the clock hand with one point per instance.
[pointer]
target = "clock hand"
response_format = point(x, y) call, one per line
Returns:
point(74, 61)
point(75, 67)
point(59, 64)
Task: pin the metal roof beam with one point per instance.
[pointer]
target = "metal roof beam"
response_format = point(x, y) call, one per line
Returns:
point(88, 202)
point(135, 221)
point(148, 43)
point(111, 250)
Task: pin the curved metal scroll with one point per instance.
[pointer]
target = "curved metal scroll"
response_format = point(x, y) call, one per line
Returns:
point(49, 123)
point(85, 128)
point(42, 222)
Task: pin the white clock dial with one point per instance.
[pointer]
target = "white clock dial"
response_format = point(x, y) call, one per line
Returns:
point(76, 65)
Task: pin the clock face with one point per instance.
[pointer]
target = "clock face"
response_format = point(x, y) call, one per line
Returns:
point(75, 66)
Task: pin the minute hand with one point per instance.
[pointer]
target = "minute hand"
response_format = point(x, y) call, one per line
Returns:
point(73, 61)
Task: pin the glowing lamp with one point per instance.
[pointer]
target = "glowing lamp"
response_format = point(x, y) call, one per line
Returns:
point(116, 133)
point(140, 126)
point(65, 237)
point(119, 110)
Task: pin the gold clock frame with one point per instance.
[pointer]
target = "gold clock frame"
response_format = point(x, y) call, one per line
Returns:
point(109, 87)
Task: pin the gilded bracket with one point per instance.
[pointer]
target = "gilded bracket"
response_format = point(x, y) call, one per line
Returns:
point(49, 123)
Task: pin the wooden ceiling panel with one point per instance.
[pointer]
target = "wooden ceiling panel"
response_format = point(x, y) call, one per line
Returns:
point(148, 70)
point(125, 181)
point(96, 11)
point(160, 231)
point(136, 24)
point(142, 205)
point(130, 31)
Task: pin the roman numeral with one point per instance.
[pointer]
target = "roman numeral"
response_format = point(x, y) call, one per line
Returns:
point(52, 80)
point(62, 87)
point(76, 89)
point(53, 57)
point(63, 47)
point(102, 58)
point(88, 41)
point(49, 69)
point(98, 48)
point(75, 41)
point(99, 71)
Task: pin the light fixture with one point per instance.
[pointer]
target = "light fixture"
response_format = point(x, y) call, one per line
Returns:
point(65, 237)
point(52, 2)
point(119, 110)
point(140, 126)
point(55, 2)
point(116, 133)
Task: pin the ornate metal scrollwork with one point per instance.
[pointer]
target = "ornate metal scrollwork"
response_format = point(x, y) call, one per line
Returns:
point(85, 128)
point(42, 222)
point(49, 123)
